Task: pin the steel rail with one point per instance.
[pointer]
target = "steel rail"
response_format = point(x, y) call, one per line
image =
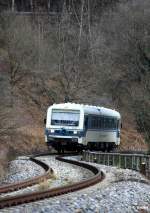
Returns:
point(34, 196)
point(30, 181)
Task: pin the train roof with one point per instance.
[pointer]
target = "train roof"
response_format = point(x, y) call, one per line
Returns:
point(88, 109)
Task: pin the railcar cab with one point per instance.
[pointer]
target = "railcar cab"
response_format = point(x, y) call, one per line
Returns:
point(64, 126)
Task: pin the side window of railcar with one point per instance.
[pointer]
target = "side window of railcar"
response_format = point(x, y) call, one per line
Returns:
point(101, 122)
point(93, 123)
point(86, 122)
point(112, 123)
point(96, 122)
point(105, 124)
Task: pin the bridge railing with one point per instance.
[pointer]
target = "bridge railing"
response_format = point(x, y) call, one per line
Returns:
point(138, 162)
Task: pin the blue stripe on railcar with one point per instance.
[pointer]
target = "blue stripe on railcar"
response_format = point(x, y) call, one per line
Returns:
point(65, 132)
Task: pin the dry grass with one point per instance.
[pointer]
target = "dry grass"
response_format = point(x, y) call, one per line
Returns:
point(47, 183)
point(53, 176)
point(43, 185)
point(28, 139)
point(132, 140)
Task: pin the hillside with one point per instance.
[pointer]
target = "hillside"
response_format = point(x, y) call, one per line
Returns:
point(91, 53)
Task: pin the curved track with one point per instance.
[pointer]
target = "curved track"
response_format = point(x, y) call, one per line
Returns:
point(34, 196)
point(30, 181)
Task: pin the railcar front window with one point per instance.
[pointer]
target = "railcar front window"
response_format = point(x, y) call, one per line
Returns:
point(65, 118)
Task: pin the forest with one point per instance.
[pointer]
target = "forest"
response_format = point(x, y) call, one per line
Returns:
point(93, 52)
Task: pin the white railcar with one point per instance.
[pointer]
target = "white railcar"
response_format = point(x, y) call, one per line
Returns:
point(75, 126)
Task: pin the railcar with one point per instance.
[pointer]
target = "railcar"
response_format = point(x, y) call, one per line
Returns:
point(71, 126)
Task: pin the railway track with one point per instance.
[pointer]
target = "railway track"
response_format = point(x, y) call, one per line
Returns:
point(28, 182)
point(34, 196)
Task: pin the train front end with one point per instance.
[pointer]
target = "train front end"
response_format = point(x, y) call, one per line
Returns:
point(64, 127)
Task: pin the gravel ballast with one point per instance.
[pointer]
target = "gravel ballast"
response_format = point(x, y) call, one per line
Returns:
point(64, 174)
point(21, 169)
point(122, 191)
